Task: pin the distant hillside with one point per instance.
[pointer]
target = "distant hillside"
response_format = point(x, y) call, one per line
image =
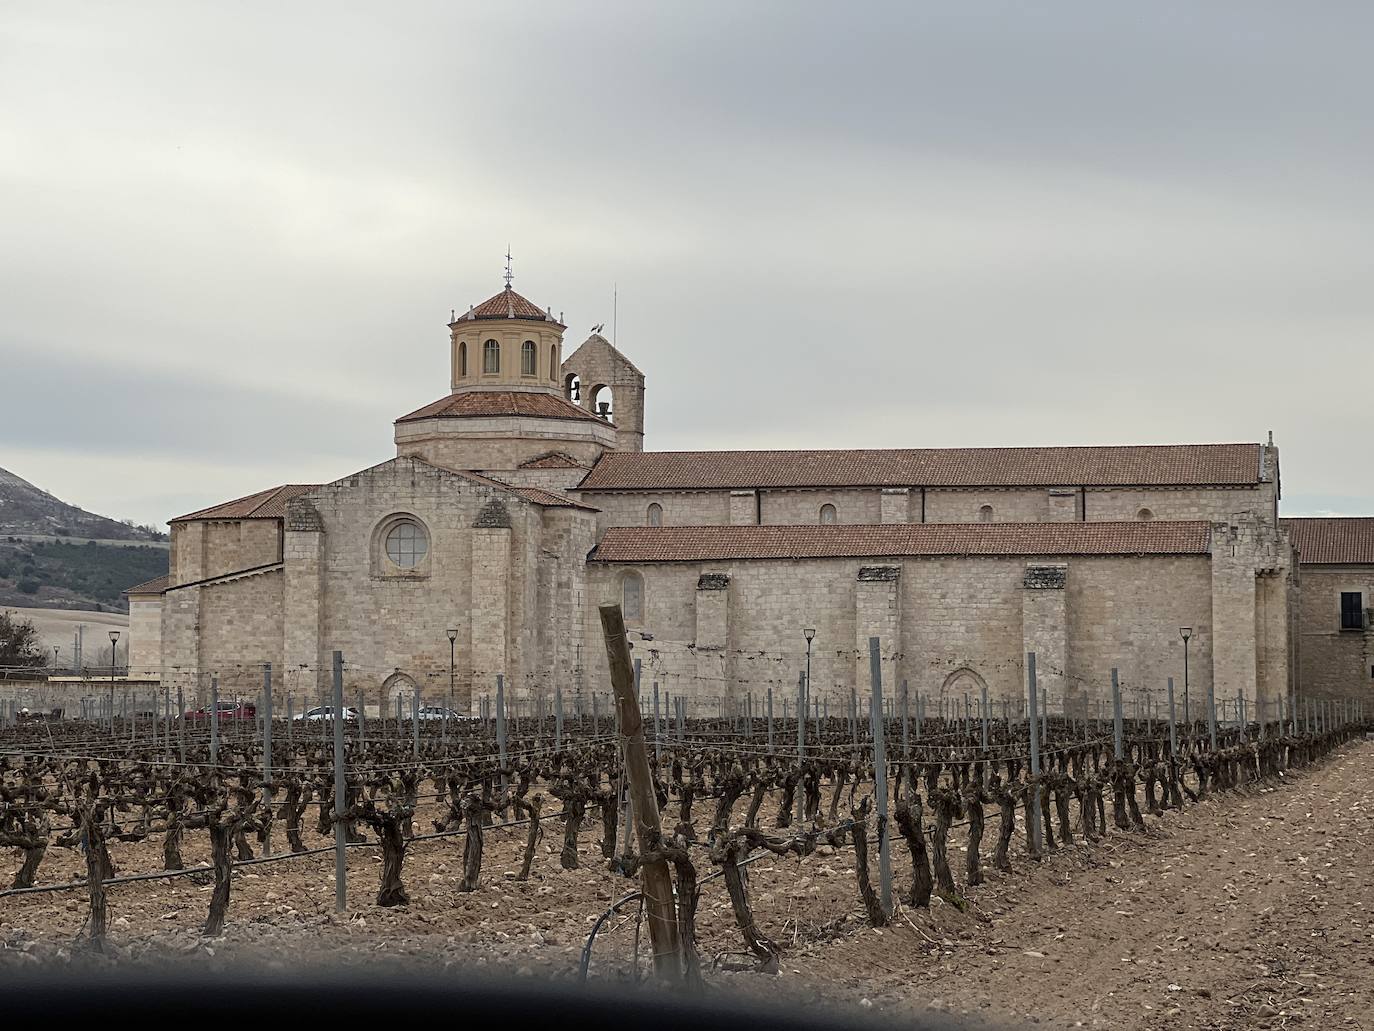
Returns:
point(62, 575)
point(26, 510)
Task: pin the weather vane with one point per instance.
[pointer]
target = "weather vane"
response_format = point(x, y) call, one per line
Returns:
point(509, 274)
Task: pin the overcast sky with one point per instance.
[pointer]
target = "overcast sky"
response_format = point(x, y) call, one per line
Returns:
point(231, 234)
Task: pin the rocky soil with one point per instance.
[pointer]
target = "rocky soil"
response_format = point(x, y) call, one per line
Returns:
point(1247, 911)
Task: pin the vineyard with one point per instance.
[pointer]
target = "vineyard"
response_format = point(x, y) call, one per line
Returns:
point(764, 835)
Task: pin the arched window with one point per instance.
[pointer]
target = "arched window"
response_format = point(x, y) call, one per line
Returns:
point(462, 358)
point(1145, 515)
point(572, 387)
point(529, 358)
point(828, 514)
point(632, 596)
point(491, 357)
point(553, 362)
point(406, 544)
point(985, 514)
point(655, 514)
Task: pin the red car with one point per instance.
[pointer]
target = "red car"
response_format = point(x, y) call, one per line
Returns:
point(227, 711)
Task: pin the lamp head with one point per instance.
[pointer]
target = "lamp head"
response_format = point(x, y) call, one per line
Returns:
point(809, 633)
point(452, 636)
point(114, 636)
point(1185, 632)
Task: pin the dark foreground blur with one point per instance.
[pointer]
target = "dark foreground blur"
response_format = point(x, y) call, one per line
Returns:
point(241, 998)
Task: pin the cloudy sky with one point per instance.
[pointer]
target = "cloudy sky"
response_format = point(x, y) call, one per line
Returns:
point(232, 233)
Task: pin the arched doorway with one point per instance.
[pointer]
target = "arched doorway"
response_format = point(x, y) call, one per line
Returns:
point(398, 685)
point(963, 681)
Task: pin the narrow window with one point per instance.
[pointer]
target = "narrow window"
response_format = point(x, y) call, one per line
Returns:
point(491, 357)
point(827, 514)
point(553, 362)
point(985, 514)
point(1144, 515)
point(632, 596)
point(462, 358)
point(1352, 610)
point(529, 359)
point(655, 514)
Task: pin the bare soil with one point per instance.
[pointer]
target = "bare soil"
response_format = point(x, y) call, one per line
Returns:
point(1246, 911)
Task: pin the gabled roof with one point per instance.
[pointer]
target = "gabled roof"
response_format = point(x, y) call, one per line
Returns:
point(157, 585)
point(534, 495)
point(1162, 465)
point(480, 404)
point(1338, 540)
point(598, 342)
point(507, 305)
point(647, 544)
point(552, 460)
point(271, 504)
point(266, 504)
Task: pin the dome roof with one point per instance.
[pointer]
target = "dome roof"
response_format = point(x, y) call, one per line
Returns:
point(507, 305)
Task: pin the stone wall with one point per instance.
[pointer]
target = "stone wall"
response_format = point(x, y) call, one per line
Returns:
point(501, 443)
point(204, 549)
point(796, 506)
point(145, 635)
point(948, 625)
point(1334, 663)
point(226, 628)
point(598, 364)
point(680, 508)
point(1126, 612)
point(490, 568)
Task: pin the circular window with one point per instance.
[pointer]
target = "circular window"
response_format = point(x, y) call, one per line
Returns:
point(406, 544)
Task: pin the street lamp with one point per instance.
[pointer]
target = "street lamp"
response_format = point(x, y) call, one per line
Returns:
point(810, 634)
point(114, 637)
point(452, 637)
point(1186, 632)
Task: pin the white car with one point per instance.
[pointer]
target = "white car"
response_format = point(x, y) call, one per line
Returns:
point(438, 712)
point(326, 712)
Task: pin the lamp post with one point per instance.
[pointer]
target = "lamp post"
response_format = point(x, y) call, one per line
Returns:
point(452, 637)
point(114, 638)
point(1186, 632)
point(810, 634)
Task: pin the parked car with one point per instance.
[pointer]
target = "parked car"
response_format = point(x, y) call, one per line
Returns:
point(326, 712)
point(438, 712)
point(227, 711)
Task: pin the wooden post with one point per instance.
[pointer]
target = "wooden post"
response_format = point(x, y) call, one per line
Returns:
point(340, 792)
point(655, 878)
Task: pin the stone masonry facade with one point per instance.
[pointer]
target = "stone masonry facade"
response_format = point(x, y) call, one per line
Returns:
point(523, 499)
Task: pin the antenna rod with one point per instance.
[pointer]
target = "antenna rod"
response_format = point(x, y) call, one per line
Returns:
point(615, 310)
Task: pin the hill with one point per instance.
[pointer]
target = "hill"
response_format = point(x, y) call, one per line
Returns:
point(25, 511)
point(66, 575)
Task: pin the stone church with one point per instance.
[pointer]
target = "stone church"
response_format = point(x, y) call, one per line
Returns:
point(523, 498)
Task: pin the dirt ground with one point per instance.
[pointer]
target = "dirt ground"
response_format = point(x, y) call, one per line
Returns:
point(1247, 911)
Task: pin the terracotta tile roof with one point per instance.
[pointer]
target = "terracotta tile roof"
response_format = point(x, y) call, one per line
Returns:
point(645, 544)
point(534, 495)
point(550, 499)
point(507, 305)
point(1347, 540)
point(1183, 464)
point(157, 585)
point(478, 404)
point(266, 504)
point(553, 460)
